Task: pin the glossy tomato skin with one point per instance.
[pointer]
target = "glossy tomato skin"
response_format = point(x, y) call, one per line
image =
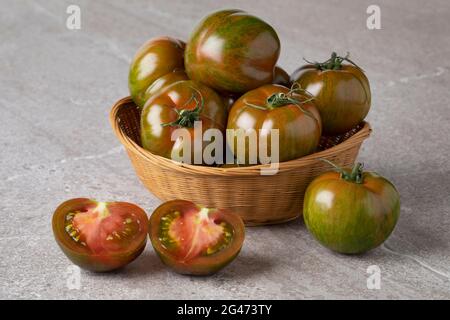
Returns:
point(158, 63)
point(299, 133)
point(348, 217)
point(281, 77)
point(103, 250)
point(342, 96)
point(232, 51)
point(200, 263)
point(160, 109)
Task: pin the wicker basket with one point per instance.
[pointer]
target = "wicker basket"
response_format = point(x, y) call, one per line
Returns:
point(259, 199)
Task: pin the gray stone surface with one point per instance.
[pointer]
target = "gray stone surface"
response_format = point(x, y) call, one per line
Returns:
point(57, 87)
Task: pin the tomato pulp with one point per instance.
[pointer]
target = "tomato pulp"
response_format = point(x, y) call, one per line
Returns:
point(351, 211)
point(100, 236)
point(195, 240)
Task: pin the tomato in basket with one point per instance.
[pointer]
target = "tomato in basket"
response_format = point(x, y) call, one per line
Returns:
point(289, 111)
point(232, 51)
point(341, 92)
point(180, 106)
point(100, 236)
point(195, 240)
point(157, 64)
point(351, 211)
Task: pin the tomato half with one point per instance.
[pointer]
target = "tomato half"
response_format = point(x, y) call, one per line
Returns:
point(179, 106)
point(275, 107)
point(100, 236)
point(341, 92)
point(157, 64)
point(281, 77)
point(195, 240)
point(232, 51)
point(351, 211)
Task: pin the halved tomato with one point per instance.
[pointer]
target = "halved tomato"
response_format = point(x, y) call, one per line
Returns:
point(100, 236)
point(195, 240)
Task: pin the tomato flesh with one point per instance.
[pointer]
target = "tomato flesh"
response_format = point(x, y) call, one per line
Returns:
point(101, 231)
point(100, 236)
point(193, 239)
point(193, 234)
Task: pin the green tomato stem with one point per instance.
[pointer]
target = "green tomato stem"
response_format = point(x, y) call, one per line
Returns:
point(334, 63)
point(356, 175)
point(186, 118)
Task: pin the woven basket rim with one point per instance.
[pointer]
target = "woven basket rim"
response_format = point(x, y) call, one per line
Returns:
point(132, 146)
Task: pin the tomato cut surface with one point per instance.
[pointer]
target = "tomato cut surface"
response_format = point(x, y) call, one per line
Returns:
point(194, 239)
point(100, 236)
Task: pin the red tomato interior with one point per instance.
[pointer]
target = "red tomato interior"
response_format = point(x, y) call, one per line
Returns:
point(196, 233)
point(103, 228)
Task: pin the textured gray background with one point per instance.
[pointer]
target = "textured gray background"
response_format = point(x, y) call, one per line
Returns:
point(57, 87)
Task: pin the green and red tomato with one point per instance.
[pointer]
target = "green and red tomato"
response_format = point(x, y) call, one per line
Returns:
point(100, 236)
point(157, 64)
point(232, 51)
point(275, 107)
point(341, 92)
point(195, 240)
point(351, 211)
point(180, 105)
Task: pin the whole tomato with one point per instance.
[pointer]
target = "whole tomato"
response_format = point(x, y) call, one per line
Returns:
point(341, 92)
point(157, 64)
point(195, 240)
point(100, 236)
point(275, 107)
point(232, 51)
point(351, 211)
point(180, 105)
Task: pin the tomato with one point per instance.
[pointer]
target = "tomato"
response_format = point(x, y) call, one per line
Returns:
point(100, 236)
point(281, 77)
point(157, 64)
point(341, 91)
point(179, 106)
point(232, 51)
point(351, 211)
point(195, 240)
point(276, 107)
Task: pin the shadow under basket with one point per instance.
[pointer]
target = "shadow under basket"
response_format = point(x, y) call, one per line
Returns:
point(258, 199)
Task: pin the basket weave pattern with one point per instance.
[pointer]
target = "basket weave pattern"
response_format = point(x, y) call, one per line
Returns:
point(259, 199)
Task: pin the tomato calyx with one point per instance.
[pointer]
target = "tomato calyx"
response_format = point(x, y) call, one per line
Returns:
point(281, 99)
point(355, 175)
point(187, 118)
point(334, 63)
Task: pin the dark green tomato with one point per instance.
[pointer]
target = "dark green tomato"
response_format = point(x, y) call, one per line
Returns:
point(350, 217)
point(281, 77)
point(232, 51)
point(160, 118)
point(100, 236)
point(157, 64)
point(195, 240)
point(342, 96)
point(299, 126)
